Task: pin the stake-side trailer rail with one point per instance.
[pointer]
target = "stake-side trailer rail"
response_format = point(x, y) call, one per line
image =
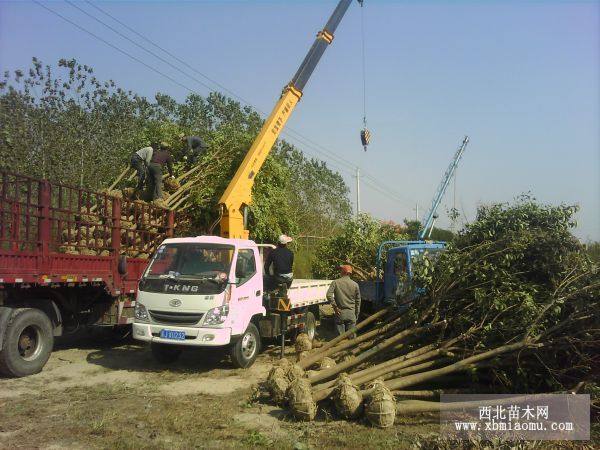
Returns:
point(68, 257)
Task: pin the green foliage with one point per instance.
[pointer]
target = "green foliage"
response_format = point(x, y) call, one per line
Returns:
point(356, 243)
point(593, 250)
point(515, 272)
point(437, 234)
point(303, 262)
point(66, 125)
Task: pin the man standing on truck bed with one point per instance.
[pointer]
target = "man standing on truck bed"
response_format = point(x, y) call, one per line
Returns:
point(344, 296)
point(282, 260)
point(195, 147)
point(155, 168)
point(140, 161)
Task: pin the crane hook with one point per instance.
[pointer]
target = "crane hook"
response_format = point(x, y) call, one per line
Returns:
point(365, 134)
point(365, 137)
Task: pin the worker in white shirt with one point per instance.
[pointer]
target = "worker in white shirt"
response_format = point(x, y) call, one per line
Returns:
point(139, 162)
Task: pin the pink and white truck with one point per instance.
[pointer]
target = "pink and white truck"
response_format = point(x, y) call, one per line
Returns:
point(209, 291)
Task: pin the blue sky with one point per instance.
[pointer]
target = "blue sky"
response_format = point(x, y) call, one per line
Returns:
point(521, 78)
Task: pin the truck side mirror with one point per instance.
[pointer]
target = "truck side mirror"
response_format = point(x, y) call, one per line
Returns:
point(122, 267)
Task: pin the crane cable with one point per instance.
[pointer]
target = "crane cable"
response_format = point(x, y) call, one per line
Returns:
point(365, 134)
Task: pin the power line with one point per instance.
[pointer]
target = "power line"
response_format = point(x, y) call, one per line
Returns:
point(175, 57)
point(288, 131)
point(129, 55)
point(137, 45)
point(374, 184)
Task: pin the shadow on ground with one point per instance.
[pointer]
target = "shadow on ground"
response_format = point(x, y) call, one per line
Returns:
point(139, 358)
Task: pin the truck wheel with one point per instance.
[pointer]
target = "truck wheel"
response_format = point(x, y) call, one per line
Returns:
point(28, 342)
point(244, 352)
point(165, 353)
point(310, 325)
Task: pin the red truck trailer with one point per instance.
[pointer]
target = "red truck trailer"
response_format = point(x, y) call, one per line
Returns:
point(69, 257)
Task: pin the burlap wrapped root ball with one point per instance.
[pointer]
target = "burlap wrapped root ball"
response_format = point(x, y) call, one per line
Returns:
point(113, 193)
point(347, 398)
point(326, 363)
point(294, 372)
point(277, 384)
point(301, 355)
point(303, 343)
point(380, 407)
point(171, 185)
point(129, 193)
point(280, 377)
point(300, 401)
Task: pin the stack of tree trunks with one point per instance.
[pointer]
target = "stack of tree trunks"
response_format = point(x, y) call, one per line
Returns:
point(361, 372)
point(176, 191)
point(90, 233)
point(380, 368)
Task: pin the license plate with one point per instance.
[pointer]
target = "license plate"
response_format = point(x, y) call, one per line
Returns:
point(173, 334)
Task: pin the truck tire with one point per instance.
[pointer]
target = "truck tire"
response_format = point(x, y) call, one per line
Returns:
point(310, 325)
point(165, 353)
point(244, 352)
point(27, 344)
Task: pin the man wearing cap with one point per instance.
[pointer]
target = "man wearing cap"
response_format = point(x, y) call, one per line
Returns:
point(344, 297)
point(155, 168)
point(195, 147)
point(139, 162)
point(282, 260)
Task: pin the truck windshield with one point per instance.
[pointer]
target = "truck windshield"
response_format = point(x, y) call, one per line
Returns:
point(432, 254)
point(188, 268)
point(405, 291)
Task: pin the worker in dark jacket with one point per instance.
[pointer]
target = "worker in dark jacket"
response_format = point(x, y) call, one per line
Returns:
point(155, 168)
point(139, 162)
point(344, 297)
point(281, 259)
point(195, 146)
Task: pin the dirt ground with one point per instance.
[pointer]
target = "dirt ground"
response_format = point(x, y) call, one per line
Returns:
point(95, 395)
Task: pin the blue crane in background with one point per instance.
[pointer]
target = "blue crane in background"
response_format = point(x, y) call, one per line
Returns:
point(441, 190)
point(395, 259)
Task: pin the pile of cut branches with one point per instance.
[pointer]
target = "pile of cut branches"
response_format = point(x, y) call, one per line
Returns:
point(512, 306)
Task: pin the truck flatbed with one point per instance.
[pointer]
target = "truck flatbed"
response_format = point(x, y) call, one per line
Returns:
point(308, 292)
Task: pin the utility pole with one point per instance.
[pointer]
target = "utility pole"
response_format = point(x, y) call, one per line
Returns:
point(454, 210)
point(417, 212)
point(357, 192)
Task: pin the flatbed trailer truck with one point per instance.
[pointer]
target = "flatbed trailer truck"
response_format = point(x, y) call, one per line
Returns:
point(209, 291)
point(69, 257)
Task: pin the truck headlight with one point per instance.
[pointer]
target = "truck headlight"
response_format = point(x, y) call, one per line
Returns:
point(141, 313)
point(216, 315)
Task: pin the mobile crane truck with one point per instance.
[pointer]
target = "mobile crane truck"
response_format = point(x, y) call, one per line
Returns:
point(209, 291)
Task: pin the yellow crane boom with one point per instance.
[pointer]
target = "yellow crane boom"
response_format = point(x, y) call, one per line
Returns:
point(238, 194)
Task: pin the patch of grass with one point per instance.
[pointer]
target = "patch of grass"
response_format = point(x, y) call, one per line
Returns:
point(257, 439)
point(99, 426)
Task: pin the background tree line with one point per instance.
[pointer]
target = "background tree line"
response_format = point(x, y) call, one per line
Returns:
point(63, 123)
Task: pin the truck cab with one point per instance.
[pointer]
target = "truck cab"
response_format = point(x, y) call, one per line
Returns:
point(394, 267)
point(208, 291)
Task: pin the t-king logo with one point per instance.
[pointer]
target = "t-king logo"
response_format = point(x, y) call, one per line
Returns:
point(180, 288)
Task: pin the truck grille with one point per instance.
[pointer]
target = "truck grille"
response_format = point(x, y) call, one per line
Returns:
point(175, 318)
